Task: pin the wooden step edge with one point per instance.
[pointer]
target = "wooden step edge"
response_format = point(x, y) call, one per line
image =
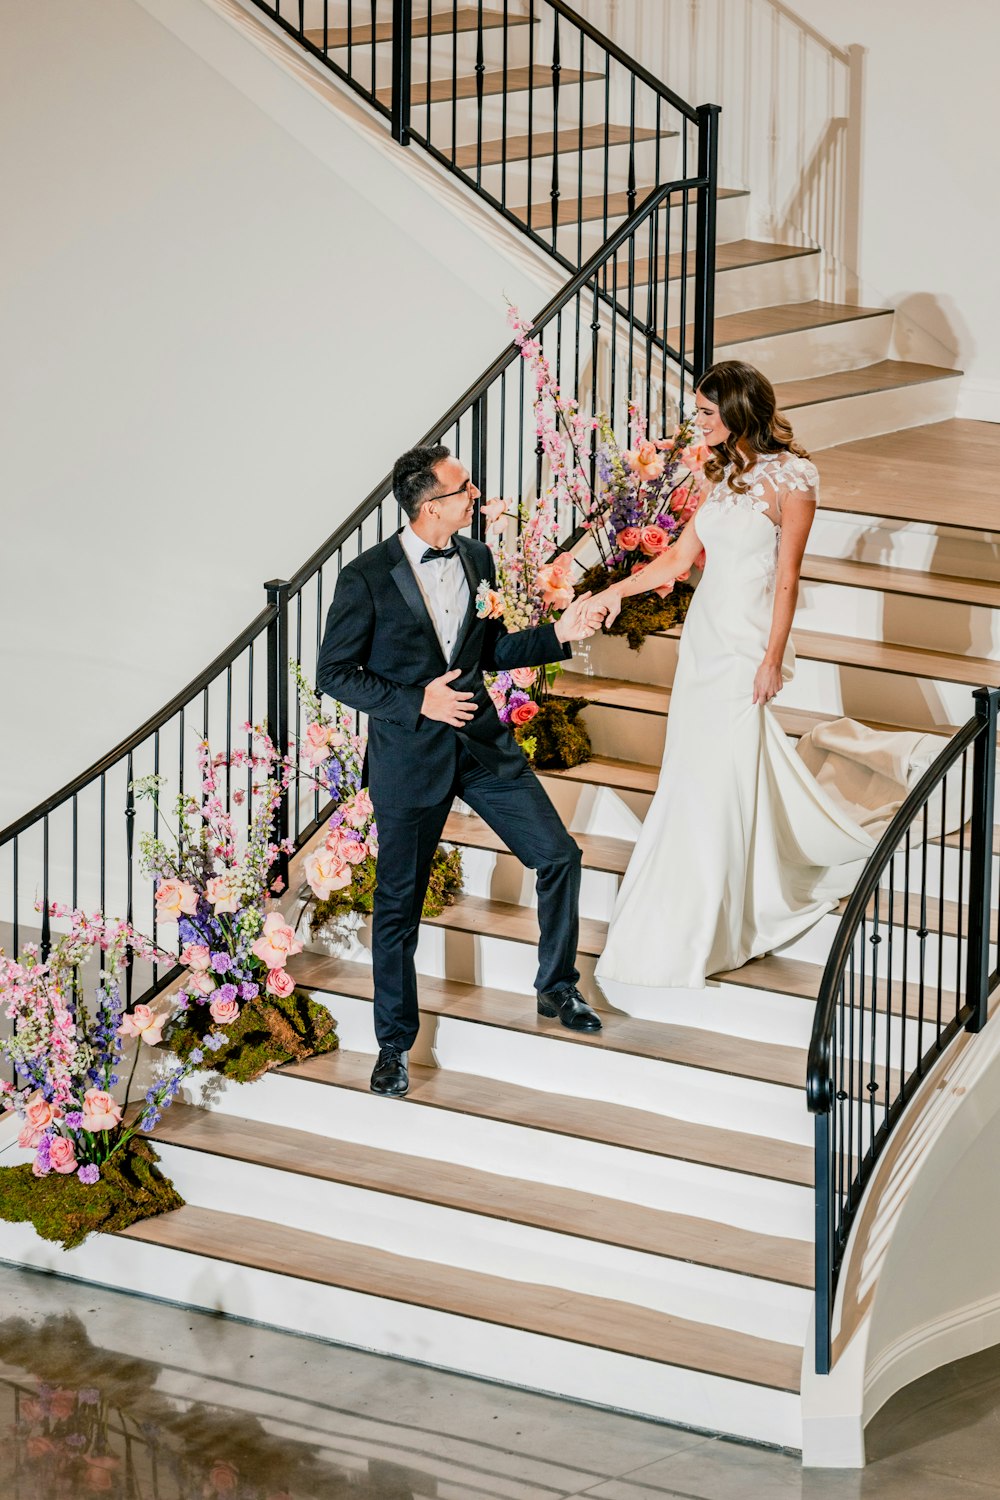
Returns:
point(652, 1041)
point(573, 1318)
point(884, 578)
point(466, 85)
point(896, 657)
point(495, 152)
point(604, 770)
point(617, 1125)
point(490, 1195)
point(867, 380)
point(840, 315)
point(796, 979)
point(600, 852)
point(592, 206)
point(337, 37)
point(730, 255)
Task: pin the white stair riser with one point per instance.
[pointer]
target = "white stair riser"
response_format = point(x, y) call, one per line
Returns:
point(542, 1156)
point(493, 1246)
point(603, 810)
point(805, 353)
point(906, 619)
point(869, 694)
point(623, 735)
point(851, 418)
point(899, 544)
point(794, 279)
point(583, 240)
point(813, 947)
point(666, 1393)
point(591, 1072)
point(503, 878)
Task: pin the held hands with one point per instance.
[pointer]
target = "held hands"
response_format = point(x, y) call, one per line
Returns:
point(768, 682)
point(442, 703)
point(607, 606)
point(578, 620)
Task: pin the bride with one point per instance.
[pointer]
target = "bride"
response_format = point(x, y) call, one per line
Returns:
point(741, 841)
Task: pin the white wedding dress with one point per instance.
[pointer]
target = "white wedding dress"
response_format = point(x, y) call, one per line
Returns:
point(743, 848)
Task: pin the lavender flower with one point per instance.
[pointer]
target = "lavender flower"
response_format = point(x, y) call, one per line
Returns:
point(74, 1120)
point(215, 1040)
point(222, 962)
point(226, 992)
point(249, 990)
point(196, 1056)
point(89, 1174)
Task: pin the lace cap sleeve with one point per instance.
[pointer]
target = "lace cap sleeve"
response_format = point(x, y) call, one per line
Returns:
point(791, 476)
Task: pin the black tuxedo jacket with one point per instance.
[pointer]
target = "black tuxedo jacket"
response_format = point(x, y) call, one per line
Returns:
point(380, 651)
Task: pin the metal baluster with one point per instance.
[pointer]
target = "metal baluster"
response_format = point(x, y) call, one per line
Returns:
point(429, 71)
point(129, 863)
point(872, 1084)
point(630, 195)
point(961, 886)
point(579, 154)
point(503, 106)
point(46, 938)
point(922, 932)
point(958, 924)
point(607, 142)
point(156, 834)
point(531, 99)
point(480, 76)
point(402, 25)
point(75, 883)
point(104, 841)
point(554, 189)
point(888, 990)
point(374, 23)
point(454, 79)
point(229, 737)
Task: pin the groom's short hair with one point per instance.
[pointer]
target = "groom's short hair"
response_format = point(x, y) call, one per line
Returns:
point(413, 476)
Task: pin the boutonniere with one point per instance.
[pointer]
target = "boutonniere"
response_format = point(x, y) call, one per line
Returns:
point(489, 601)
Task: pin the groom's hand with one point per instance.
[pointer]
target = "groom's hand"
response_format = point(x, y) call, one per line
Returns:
point(445, 705)
point(578, 620)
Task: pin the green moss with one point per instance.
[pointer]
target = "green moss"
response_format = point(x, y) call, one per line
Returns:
point(560, 740)
point(445, 885)
point(131, 1187)
point(443, 890)
point(641, 614)
point(268, 1032)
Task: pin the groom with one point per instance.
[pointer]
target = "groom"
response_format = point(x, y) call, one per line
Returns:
point(404, 644)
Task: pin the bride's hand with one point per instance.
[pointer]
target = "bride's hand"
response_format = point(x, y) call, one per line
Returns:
point(606, 606)
point(767, 683)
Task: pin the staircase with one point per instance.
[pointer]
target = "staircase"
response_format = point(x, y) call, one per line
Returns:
point(624, 1219)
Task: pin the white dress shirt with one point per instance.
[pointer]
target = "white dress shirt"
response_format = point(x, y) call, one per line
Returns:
point(443, 585)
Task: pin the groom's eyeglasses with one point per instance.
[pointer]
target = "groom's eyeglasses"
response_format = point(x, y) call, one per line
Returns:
point(462, 490)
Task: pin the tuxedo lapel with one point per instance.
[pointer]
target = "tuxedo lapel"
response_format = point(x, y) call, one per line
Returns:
point(402, 576)
point(472, 577)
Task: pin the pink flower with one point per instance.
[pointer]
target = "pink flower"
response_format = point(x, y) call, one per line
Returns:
point(556, 582)
point(653, 540)
point(224, 1011)
point(495, 512)
point(221, 892)
point(276, 943)
point(175, 898)
point(196, 957)
point(326, 872)
point(523, 677)
point(38, 1116)
point(280, 983)
point(523, 713)
point(358, 809)
point(499, 697)
point(628, 538)
point(143, 1021)
point(695, 457)
point(99, 1110)
point(645, 461)
point(224, 1478)
point(203, 984)
point(62, 1157)
point(319, 743)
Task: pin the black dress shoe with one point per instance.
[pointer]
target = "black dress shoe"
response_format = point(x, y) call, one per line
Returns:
point(571, 1008)
point(390, 1075)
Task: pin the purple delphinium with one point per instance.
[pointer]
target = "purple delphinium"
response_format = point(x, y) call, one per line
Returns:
point(222, 962)
point(517, 698)
point(249, 990)
point(89, 1174)
point(42, 1166)
point(196, 1056)
point(74, 1120)
point(226, 993)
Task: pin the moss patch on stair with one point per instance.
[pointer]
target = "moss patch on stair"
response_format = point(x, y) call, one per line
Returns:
point(62, 1208)
point(558, 739)
point(267, 1032)
point(443, 889)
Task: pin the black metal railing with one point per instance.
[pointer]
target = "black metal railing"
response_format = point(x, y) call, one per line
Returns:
point(912, 965)
point(82, 846)
point(551, 122)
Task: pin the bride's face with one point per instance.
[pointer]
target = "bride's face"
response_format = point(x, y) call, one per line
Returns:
point(713, 429)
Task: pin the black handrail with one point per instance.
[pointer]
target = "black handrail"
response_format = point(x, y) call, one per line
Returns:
point(866, 1061)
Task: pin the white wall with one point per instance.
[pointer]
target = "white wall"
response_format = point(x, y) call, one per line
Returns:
point(870, 128)
point(226, 305)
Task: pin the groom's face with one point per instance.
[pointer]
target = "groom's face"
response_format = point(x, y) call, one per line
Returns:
point(453, 504)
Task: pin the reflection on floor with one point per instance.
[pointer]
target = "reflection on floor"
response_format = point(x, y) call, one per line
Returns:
point(106, 1394)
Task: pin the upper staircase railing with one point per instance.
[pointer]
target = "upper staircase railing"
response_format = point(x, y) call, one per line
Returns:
point(910, 967)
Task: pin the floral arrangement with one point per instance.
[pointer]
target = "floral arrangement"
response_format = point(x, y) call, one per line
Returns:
point(238, 1011)
point(641, 499)
point(340, 874)
point(91, 1168)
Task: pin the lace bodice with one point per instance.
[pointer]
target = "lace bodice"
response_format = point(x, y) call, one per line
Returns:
point(772, 479)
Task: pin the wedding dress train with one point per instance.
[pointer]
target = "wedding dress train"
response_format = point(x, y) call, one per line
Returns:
point(743, 847)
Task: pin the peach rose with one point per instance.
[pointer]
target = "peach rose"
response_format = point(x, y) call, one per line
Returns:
point(196, 957)
point(175, 898)
point(681, 498)
point(202, 984)
point(99, 1475)
point(224, 1478)
point(355, 851)
point(40, 1447)
point(38, 1116)
point(358, 809)
point(326, 872)
point(143, 1021)
point(555, 580)
point(495, 512)
point(645, 461)
point(523, 713)
point(523, 677)
point(224, 1011)
point(221, 892)
point(280, 983)
point(628, 538)
point(276, 943)
point(99, 1110)
point(695, 457)
point(489, 605)
point(653, 540)
point(62, 1157)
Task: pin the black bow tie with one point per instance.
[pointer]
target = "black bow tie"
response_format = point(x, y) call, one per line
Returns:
point(433, 553)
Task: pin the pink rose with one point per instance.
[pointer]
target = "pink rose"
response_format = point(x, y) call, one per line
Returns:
point(99, 1110)
point(326, 872)
point(628, 538)
point(224, 1478)
point(62, 1157)
point(280, 983)
point(202, 984)
point(196, 957)
point(175, 898)
point(224, 1011)
point(143, 1021)
point(695, 457)
point(495, 512)
point(38, 1116)
point(358, 809)
point(680, 498)
point(499, 697)
point(556, 582)
point(354, 851)
point(523, 713)
point(277, 942)
point(653, 540)
point(523, 677)
point(645, 461)
point(221, 892)
point(319, 743)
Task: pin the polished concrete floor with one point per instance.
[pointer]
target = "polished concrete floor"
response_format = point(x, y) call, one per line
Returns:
point(103, 1393)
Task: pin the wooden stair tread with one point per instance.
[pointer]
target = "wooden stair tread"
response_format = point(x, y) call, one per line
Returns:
point(631, 1226)
point(683, 1046)
point(792, 976)
point(569, 141)
point(962, 839)
point(787, 317)
point(730, 255)
point(884, 375)
point(594, 206)
point(887, 656)
point(604, 770)
point(596, 1322)
point(569, 1115)
point(516, 80)
point(904, 475)
point(599, 852)
point(891, 580)
point(443, 23)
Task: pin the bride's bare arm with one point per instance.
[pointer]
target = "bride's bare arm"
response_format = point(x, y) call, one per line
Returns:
point(797, 511)
point(679, 558)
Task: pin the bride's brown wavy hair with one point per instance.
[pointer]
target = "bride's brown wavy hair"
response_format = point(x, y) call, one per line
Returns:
point(749, 408)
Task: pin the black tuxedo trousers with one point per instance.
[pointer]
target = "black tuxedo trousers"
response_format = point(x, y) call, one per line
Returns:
point(379, 652)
